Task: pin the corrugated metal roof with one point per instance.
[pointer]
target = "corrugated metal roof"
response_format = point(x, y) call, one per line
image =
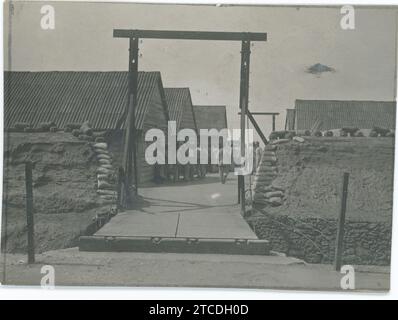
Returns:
point(290, 119)
point(74, 97)
point(335, 114)
point(180, 107)
point(176, 100)
point(209, 117)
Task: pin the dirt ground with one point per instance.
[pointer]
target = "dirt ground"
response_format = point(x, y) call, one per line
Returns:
point(312, 174)
point(65, 199)
point(127, 269)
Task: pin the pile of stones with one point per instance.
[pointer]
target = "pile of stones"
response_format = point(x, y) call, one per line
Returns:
point(85, 132)
point(264, 192)
point(105, 172)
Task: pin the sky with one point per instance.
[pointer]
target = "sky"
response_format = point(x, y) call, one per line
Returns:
point(363, 60)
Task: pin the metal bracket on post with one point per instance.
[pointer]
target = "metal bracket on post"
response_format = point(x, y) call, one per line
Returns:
point(243, 105)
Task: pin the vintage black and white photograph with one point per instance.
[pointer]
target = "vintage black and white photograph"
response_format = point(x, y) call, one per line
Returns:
point(210, 146)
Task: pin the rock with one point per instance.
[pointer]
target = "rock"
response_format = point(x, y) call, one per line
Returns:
point(359, 134)
point(373, 134)
point(101, 145)
point(45, 126)
point(20, 126)
point(76, 132)
point(299, 139)
point(86, 128)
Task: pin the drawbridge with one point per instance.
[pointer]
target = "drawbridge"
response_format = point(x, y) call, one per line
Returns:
point(186, 217)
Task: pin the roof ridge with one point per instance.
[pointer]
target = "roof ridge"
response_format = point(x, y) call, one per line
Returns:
point(342, 100)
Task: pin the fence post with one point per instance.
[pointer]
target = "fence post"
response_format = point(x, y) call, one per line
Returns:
point(340, 226)
point(29, 211)
point(120, 187)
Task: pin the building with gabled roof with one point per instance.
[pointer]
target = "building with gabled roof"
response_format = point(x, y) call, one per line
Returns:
point(211, 117)
point(335, 114)
point(65, 97)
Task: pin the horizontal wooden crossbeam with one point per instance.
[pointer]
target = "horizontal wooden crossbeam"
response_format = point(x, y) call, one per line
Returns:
point(190, 35)
point(264, 113)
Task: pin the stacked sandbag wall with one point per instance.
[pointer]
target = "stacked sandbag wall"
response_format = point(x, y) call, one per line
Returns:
point(264, 192)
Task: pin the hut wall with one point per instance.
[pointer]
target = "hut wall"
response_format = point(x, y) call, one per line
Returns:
point(187, 120)
point(155, 118)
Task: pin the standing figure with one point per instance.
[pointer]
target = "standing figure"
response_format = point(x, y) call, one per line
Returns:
point(258, 155)
point(223, 167)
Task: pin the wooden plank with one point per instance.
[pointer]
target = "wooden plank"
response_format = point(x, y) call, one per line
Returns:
point(190, 35)
point(264, 113)
point(214, 225)
point(257, 127)
point(175, 245)
point(140, 224)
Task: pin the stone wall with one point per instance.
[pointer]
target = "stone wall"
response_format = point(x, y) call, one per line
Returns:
point(313, 239)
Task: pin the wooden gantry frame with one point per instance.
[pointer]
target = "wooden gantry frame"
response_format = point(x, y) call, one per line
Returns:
point(130, 148)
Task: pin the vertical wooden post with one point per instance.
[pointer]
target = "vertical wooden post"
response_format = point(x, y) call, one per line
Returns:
point(243, 105)
point(341, 222)
point(29, 211)
point(239, 187)
point(273, 123)
point(130, 150)
point(120, 187)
